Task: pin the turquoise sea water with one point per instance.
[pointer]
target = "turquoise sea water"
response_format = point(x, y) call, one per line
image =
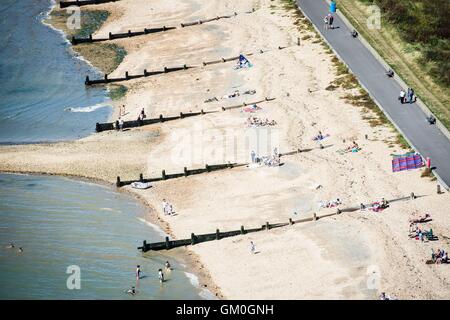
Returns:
point(61, 222)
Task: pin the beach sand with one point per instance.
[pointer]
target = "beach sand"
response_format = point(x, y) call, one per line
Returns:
point(354, 255)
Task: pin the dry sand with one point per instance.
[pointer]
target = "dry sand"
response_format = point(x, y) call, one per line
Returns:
point(349, 256)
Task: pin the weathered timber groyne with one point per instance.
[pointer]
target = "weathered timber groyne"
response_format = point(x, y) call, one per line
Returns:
point(129, 33)
point(79, 3)
point(127, 76)
point(146, 73)
point(113, 36)
point(170, 244)
point(186, 172)
point(99, 127)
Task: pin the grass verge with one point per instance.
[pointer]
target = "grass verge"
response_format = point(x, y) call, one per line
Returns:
point(406, 59)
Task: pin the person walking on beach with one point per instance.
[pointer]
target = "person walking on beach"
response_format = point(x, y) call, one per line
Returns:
point(168, 266)
point(401, 96)
point(252, 247)
point(165, 205)
point(161, 275)
point(253, 155)
point(121, 124)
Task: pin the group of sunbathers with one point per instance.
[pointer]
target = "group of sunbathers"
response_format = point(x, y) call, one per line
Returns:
point(440, 256)
point(167, 208)
point(271, 161)
point(353, 148)
point(256, 122)
point(419, 219)
point(376, 206)
point(330, 204)
point(415, 232)
point(235, 94)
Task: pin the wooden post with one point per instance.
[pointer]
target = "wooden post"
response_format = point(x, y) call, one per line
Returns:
point(118, 183)
point(161, 118)
point(181, 115)
point(208, 169)
point(314, 217)
point(291, 222)
point(185, 172)
point(145, 30)
point(74, 40)
point(90, 37)
point(167, 243)
point(86, 82)
point(438, 187)
point(338, 211)
point(202, 112)
point(192, 238)
point(141, 177)
point(144, 246)
point(98, 127)
point(163, 174)
point(298, 41)
point(412, 196)
point(242, 230)
point(110, 36)
point(366, 136)
point(145, 72)
point(129, 33)
point(267, 225)
point(165, 69)
point(217, 234)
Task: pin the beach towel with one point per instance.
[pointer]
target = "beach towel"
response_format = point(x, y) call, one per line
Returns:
point(407, 163)
point(252, 108)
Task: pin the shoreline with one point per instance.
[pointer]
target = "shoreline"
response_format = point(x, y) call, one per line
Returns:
point(188, 257)
point(243, 198)
point(182, 255)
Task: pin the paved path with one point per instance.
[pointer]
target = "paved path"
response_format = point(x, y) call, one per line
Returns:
point(427, 139)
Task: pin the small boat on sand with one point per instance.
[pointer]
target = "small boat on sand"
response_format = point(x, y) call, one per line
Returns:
point(141, 185)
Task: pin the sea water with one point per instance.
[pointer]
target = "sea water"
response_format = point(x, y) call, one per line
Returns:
point(61, 223)
point(64, 224)
point(42, 91)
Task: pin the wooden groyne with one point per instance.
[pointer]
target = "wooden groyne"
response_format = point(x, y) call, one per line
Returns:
point(146, 73)
point(79, 3)
point(113, 36)
point(217, 235)
point(99, 127)
point(186, 172)
point(127, 76)
point(129, 34)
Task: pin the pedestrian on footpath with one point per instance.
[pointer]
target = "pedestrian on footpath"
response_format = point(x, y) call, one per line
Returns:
point(401, 96)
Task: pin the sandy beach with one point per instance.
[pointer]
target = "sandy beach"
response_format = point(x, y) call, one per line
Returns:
point(355, 255)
